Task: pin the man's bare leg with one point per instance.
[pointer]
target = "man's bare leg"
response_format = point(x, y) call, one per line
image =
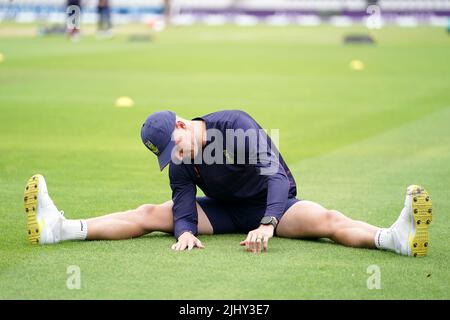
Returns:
point(140, 221)
point(307, 219)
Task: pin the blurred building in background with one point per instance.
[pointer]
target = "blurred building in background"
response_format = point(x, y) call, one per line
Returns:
point(242, 12)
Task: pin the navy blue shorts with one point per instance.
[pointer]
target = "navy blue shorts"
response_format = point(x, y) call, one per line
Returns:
point(235, 218)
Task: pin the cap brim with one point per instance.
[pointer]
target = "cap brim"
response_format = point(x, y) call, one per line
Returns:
point(166, 155)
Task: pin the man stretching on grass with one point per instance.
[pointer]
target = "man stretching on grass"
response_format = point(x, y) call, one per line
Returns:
point(248, 187)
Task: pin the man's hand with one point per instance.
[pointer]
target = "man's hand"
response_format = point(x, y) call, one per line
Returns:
point(187, 240)
point(258, 239)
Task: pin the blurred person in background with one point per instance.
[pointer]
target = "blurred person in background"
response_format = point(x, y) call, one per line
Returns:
point(73, 27)
point(167, 12)
point(104, 19)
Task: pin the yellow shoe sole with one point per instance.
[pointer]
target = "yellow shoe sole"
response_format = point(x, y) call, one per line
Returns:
point(422, 212)
point(30, 199)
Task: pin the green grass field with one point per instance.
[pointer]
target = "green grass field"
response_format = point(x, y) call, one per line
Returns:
point(354, 141)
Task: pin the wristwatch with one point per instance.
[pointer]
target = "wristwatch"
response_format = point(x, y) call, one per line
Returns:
point(270, 220)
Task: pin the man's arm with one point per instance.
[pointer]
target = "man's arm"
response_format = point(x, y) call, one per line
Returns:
point(277, 191)
point(277, 195)
point(264, 156)
point(184, 208)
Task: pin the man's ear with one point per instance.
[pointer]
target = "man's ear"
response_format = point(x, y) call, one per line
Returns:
point(180, 124)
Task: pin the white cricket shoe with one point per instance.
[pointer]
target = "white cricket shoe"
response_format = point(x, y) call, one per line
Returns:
point(44, 220)
point(410, 231)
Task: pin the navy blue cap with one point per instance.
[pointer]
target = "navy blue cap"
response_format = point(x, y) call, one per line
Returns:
point(156, 134)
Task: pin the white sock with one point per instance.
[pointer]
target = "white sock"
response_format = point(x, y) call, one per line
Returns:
point(74, 230)
point(384, 239)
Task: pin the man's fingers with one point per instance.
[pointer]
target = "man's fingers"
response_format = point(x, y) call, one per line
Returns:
point(246, 241)
point(190, 244)
point(258, 244)
point(183, 245)
point(266, 243)
point(257, 240)
point(253, 243)
point(199, 244)
point(180, 244)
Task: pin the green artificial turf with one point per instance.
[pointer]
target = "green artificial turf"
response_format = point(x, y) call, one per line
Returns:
point(354, 141)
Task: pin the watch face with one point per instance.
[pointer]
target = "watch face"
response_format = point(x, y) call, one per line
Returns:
point(266, 220)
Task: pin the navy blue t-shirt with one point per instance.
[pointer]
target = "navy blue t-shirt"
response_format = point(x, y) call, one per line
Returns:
point(249, 168)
